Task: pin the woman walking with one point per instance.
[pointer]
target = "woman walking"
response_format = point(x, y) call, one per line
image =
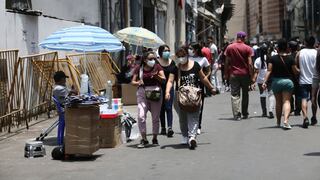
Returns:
point(315, 86)
point(282, 67)
point(148, 77)
point(189, 74)
point(169, 67)
point(196, 55)
point(260, 67)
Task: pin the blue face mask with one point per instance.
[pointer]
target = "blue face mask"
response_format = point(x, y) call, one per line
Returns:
point(166, 55)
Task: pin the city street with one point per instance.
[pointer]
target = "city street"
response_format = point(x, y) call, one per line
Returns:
point(249, 149)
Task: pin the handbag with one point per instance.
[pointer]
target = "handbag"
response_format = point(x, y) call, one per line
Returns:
point(152, 93)
point(189, 98)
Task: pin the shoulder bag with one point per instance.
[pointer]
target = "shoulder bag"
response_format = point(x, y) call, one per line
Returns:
point(152, 93)
point(188, 97)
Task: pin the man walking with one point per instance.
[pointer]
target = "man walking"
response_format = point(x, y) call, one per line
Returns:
point(239, 69)
point(306, 59)
point(214, 64)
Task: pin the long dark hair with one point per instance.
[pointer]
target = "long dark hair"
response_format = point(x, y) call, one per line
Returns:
point(161, 49)
point(197, 49)
point(145, 56)
point(263, 54)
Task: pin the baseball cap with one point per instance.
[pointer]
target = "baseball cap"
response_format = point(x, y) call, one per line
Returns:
point(59, 75)
point(241, 34)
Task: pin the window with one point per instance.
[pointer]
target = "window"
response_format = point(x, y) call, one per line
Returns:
point(18, 4)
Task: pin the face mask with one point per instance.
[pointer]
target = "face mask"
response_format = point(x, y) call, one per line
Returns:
point(182, 60)
point(190, 52)
point(151, 63)
point(166, 55)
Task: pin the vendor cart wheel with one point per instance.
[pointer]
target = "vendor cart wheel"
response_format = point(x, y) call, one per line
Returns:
point(58, 153)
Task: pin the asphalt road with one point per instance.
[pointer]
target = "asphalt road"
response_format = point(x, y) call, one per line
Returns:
point(247, 149)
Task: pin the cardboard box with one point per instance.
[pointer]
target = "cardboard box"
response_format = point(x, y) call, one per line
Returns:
point(82, 130)
point(110, 133)
point(129, 94)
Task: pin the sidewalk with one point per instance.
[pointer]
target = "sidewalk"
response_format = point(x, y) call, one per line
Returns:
point(249, 149)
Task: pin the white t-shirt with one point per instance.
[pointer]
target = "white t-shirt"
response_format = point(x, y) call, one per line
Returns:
point(60, 93)
point(262, 72)
point(202, 61)
point(214, 51)
point(307, 63)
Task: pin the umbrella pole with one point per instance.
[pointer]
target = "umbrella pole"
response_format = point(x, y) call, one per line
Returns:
point(136, 50)
point(85, 62)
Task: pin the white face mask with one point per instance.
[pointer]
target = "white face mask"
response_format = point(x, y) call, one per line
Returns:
point(182, 60)
point(190, 52)
point(151, 63)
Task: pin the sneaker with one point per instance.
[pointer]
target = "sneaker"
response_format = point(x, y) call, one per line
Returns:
point(286, 126)
point(170, 133)
point(143, 143)
point(314, 121)
point(184, 140)
point(199, 131)
point(155, 142)
point(305, 123)
point(192, 143)
point(264, 115)
point(237, 117)
point(245, 117)
point(271, 116)
point(163, 131)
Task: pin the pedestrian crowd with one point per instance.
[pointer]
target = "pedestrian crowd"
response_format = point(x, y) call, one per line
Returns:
point(286, 74)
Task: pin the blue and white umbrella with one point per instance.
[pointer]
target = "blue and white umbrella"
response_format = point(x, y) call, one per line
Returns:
point(82, 38)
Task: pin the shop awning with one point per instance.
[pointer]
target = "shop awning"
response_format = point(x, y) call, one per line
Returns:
point(207, 14)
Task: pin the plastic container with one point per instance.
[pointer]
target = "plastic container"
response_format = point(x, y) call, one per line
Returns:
point(84, 84)
point(109, 93)
point(106, 113)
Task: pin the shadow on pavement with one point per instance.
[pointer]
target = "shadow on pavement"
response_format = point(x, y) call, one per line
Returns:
point(227, 119)
point(175, 146)
point(181, 146)
point(50, 141)
point(312, 154)
point(147, 146)
point(73, 158)
point(270, 127)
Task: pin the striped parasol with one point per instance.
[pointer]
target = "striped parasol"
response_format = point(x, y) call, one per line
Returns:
point(82, 38)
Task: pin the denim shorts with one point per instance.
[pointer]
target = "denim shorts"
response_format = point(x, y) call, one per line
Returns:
point(305, 91)
point(282, 85)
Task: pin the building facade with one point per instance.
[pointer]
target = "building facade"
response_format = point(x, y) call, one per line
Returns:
point(274, 19)
point(177, 22)
point(238, 22)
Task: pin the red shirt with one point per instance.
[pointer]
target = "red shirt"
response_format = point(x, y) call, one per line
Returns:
point(238, 52)
point(148, 76)
point(207, 53)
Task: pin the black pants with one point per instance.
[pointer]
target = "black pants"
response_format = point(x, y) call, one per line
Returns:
point(201, 110)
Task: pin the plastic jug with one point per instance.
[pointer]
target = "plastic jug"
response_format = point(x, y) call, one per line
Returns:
point(84, 84)
point(109, 94)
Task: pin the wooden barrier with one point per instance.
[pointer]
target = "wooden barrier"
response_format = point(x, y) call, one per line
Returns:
point(99, 66)
point(30, 90)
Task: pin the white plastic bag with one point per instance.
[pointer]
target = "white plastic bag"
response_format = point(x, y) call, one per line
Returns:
point(135, 134)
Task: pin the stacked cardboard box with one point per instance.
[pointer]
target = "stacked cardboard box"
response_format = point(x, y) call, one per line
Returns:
point(129, 94)
point(81, 130)
point(110, 133)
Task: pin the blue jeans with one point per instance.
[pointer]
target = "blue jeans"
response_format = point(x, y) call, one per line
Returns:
point(167, 108)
